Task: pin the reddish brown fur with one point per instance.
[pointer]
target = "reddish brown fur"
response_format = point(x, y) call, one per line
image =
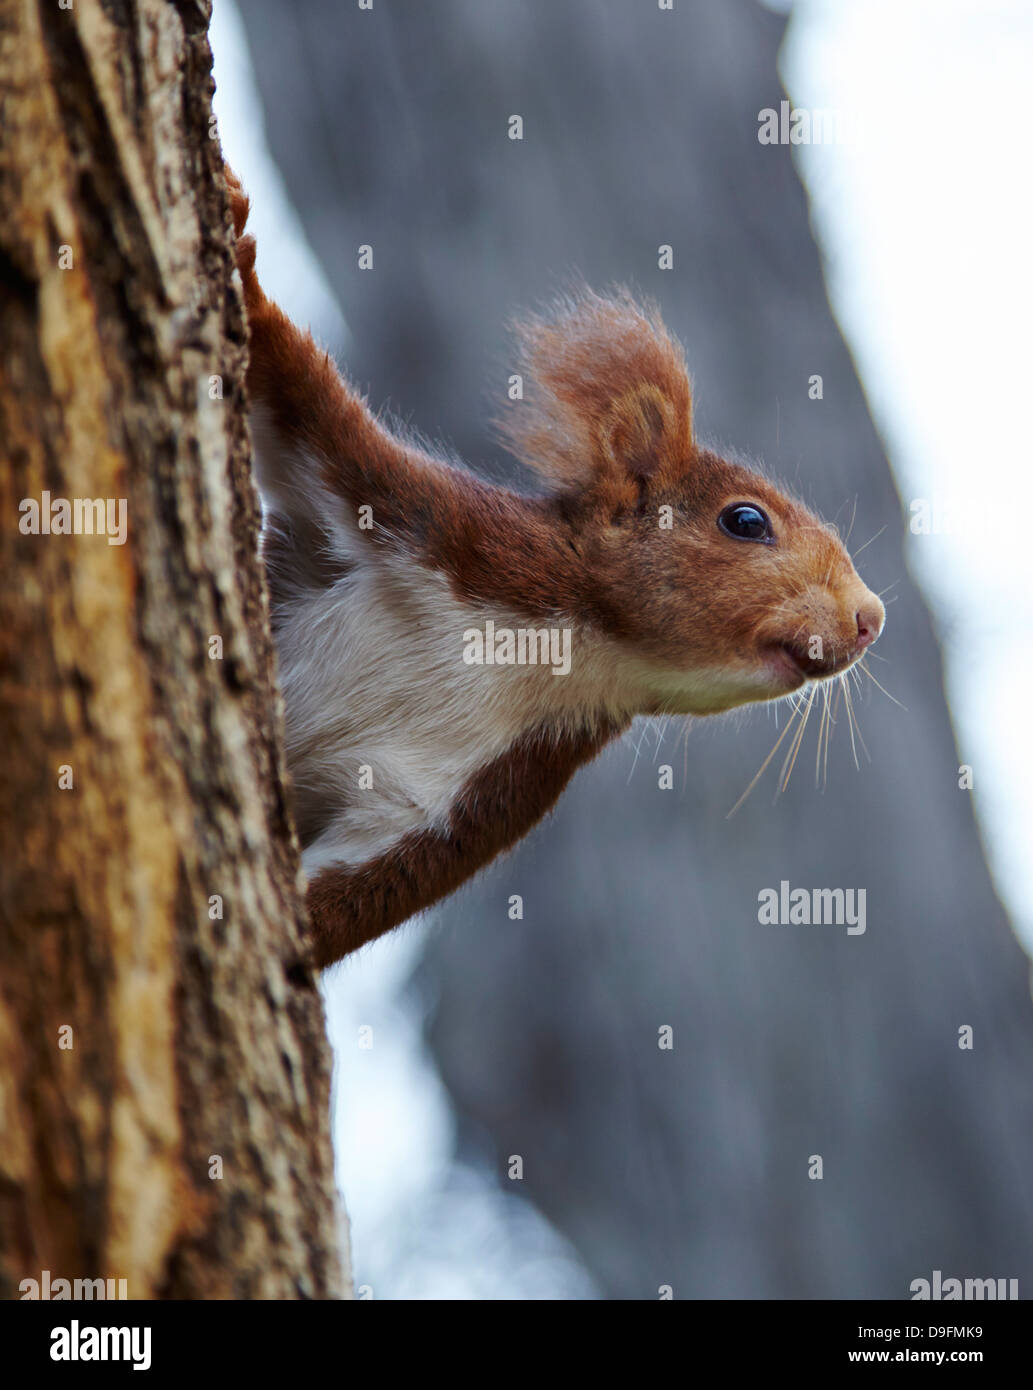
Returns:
point(608, 425)
point(609, 398)
point(492, 543)
point(350, 906)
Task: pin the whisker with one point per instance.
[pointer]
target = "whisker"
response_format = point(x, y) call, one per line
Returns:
point(853, 518)
point(855, 728)
point(638, 749)
point(850, 724)
point(868, 673)
point(767, 761)
point(833, 697)
point(821, 731)
point(794, 748)
point(831, 692)
point(868, 543)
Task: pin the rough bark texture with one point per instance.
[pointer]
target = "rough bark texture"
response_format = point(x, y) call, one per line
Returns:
point(194, 1035)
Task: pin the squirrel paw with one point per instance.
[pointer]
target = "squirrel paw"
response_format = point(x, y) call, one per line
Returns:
point(244, 249)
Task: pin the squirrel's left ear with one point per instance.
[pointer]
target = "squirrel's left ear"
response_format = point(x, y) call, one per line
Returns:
point(639, 431)
point(609, 397)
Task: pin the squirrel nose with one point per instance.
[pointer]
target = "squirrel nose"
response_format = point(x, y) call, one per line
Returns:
point(870, 618)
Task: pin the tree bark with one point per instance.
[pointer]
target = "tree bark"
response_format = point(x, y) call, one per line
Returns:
point(150, 913)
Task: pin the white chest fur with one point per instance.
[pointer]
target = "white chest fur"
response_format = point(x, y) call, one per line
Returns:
point(386, 718)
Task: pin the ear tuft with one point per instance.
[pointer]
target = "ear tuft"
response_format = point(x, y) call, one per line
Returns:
point(609, 393)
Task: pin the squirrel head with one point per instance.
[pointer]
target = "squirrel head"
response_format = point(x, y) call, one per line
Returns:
point(719, 588)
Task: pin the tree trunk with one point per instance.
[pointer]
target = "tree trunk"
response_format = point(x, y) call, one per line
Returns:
point(164, 1071)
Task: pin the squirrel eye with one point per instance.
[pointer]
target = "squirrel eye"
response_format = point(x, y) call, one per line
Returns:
point(745, 522)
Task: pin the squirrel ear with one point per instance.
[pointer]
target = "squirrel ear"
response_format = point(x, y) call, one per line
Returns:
point(609, 396)
point(636, 430)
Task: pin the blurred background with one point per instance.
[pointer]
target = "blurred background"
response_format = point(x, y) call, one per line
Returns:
point(893, 263)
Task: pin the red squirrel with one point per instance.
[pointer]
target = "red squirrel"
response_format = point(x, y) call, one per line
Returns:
point(669, 580)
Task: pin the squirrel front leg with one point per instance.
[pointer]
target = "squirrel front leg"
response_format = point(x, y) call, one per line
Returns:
point(351, 905)
point(321, 454)
point(316, 442)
